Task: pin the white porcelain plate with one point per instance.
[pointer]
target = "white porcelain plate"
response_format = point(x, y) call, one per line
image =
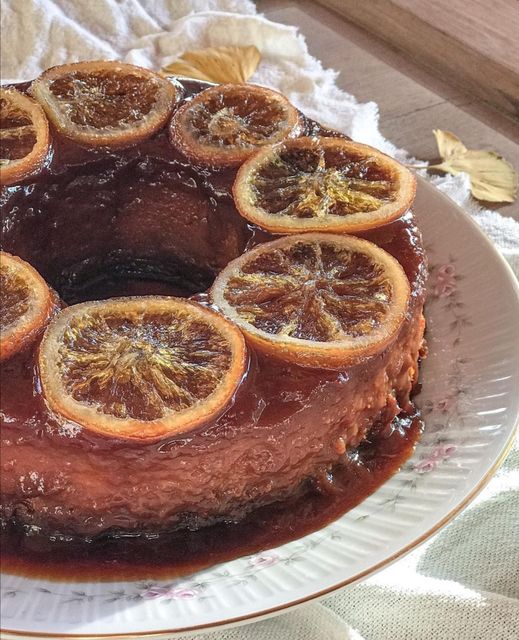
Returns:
point(470, 402)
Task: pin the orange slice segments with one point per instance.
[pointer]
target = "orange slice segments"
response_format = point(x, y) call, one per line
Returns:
point(26, 304)
point(140, 368)
point(105, 103)
point(223, 125)
point(317, 300)
point(24, 137)
point(322, 184)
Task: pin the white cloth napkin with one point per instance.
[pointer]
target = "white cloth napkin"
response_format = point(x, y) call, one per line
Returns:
point(457, 586)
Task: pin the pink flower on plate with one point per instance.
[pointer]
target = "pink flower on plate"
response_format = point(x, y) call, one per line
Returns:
point(426, 466)
point(444, 451)
point(446, 404)
point(170, 592)
point(445, 281)
point(444, 290)
point(447, 271)
point(439, 454)
point(264, 560)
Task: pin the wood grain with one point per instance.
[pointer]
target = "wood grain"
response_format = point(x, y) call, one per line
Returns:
point(475, 43)
point(412, 101)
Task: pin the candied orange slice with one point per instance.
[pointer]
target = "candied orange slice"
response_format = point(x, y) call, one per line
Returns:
point(322, 184)
point(318, 300)
point(223, 125)
point(26, 304)
point(140, 368)
point(24, 137)
point(105, 104)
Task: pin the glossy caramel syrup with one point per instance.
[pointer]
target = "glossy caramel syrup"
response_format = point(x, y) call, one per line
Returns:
point(179, 553)
point(123, 250)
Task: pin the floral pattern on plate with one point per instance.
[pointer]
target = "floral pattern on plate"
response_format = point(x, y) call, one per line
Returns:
point(470, 405)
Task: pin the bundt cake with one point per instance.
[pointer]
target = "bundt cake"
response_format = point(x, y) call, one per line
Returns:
point(208, 301)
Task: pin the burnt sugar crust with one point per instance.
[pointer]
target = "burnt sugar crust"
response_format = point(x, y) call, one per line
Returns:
point(145, 220)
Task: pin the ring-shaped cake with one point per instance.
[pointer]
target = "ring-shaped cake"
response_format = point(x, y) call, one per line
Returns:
point(101, 222)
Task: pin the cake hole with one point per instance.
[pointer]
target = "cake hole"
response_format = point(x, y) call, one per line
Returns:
point(110, 278)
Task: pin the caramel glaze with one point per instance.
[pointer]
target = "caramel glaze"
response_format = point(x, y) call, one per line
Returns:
point(173, 554)
point(283, 460)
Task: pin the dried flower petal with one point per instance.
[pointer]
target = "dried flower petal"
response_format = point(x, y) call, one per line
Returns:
point(216, 64)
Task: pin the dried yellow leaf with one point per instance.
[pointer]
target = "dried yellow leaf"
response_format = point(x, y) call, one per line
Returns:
point(448, 144)
point(492, 178)
point(216, 64)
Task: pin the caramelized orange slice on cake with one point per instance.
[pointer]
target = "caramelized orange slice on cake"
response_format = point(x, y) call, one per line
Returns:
point(318, 300)
point(105, 104)
point(140, 368)
point(24, 137)
point(322, 184)
point(26, 304)
point(223, 125)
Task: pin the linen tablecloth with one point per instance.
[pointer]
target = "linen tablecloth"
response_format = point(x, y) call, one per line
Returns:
point(463, 584)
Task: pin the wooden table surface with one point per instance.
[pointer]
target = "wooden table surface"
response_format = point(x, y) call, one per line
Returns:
point(412, 101)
